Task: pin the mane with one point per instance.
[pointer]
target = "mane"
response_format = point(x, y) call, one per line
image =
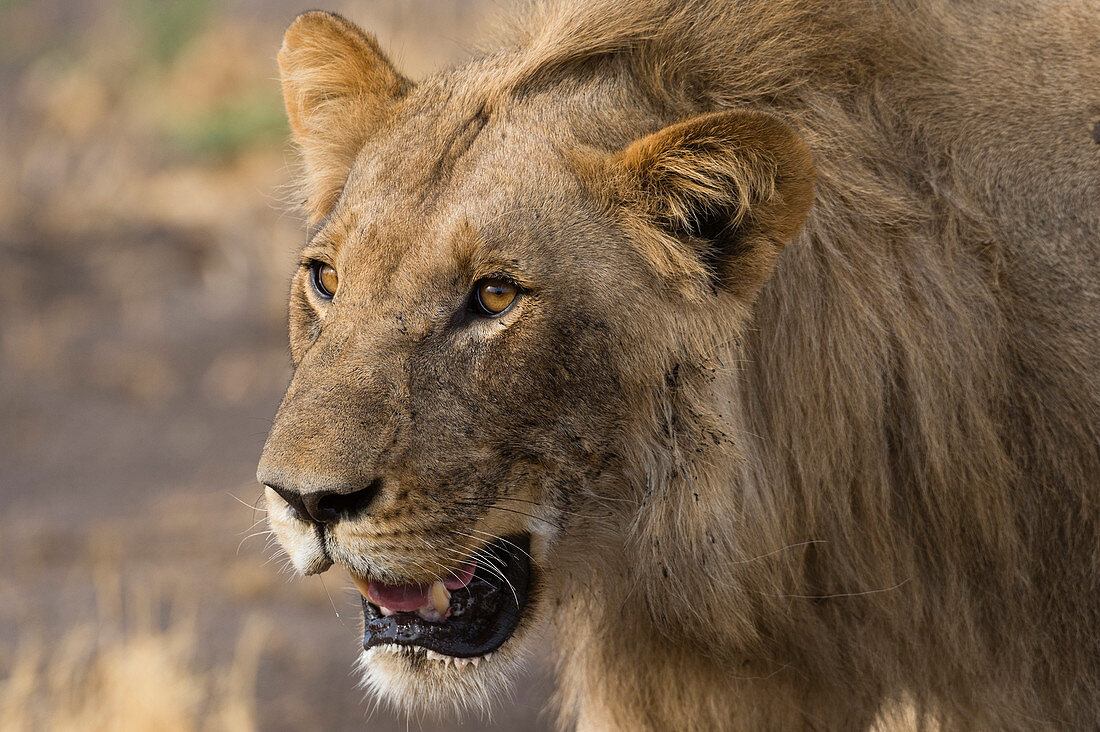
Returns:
point(881, 328)
point(867, 480)
point(700, 53)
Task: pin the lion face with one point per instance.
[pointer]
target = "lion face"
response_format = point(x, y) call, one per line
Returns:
point(454, 386)
point(480, 336)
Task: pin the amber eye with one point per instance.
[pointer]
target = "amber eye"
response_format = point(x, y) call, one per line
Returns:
point(325, 279)
point(494, 295)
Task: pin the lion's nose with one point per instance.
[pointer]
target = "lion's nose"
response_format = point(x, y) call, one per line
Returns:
point(328, 506)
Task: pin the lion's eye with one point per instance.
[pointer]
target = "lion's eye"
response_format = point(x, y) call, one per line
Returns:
point(494, 295)
point(325, 279)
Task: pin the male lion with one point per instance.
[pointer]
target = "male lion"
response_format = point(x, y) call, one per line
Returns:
point(752, 346)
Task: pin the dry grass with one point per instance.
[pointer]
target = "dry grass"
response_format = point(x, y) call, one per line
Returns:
point(141, 674)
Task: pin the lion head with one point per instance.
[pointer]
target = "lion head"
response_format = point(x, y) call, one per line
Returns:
point(498, 294)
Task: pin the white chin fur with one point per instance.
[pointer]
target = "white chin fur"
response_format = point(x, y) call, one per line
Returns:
point(406, 680)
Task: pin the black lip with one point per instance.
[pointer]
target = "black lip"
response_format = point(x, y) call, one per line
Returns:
point(484, 613)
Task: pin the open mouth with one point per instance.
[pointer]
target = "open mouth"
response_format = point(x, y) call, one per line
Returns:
point(464, 617)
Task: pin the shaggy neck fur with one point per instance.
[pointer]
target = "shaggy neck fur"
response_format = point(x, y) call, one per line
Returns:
point(879, 491)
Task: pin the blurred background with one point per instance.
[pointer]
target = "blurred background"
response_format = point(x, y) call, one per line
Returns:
point(146, 245)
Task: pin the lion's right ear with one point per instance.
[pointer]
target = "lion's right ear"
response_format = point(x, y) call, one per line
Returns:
point(337, 83)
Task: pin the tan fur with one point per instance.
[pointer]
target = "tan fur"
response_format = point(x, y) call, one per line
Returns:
point(337, 85)
point(784, 467)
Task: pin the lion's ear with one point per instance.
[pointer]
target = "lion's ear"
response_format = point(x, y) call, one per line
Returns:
point(734, 186)
point(336, 84)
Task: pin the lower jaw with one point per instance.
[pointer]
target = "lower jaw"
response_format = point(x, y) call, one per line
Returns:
point(404, 678)
point(419, 655)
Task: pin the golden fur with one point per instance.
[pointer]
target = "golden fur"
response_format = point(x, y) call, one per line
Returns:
point(784, 467)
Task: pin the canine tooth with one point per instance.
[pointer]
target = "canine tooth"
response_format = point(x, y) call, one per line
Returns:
point(475, 661)
point(386, 611)
point(441, 598)
point(430, 613)
point(361, 584)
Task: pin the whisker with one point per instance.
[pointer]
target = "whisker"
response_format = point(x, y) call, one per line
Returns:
point(489, 562)
point(839, 594)
point(465, 558)
point(258, 533)
point(518, 500)
point(598, 497)
point(476, 557)
point(330, 600)
point(499, 573)
point(420, 566)
point(494, 537)
point(509, 510)
point(434, 548)
point(272, 558)
point(543, 505)
point(252, 526)
point(447, 570)
point(777, 551)
point(253, 506)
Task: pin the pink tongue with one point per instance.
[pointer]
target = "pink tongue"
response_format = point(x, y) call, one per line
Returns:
point(460, 577)
point(406, 598)
point(401, 598)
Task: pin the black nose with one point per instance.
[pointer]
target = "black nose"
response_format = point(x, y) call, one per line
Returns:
point(329, 506)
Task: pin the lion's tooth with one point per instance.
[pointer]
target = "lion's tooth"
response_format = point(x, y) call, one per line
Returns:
point(475, 661)
point(430, 614)
point(386, 611)
point(441, 598)
point(361, 584)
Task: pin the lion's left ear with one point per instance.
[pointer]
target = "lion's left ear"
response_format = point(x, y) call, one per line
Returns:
point(734, 186)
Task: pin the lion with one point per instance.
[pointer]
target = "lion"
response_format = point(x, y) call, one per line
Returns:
point(750, 350)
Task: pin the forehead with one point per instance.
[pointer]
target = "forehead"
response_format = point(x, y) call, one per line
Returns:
point(445, 168)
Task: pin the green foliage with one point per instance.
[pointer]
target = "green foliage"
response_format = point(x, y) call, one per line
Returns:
point(249, 120)
point(166, 26)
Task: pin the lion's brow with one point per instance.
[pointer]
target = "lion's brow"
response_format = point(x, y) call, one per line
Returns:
point(313, 230)
point(458, 144)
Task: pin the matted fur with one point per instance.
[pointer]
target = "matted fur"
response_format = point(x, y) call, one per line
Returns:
point(855, 480)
